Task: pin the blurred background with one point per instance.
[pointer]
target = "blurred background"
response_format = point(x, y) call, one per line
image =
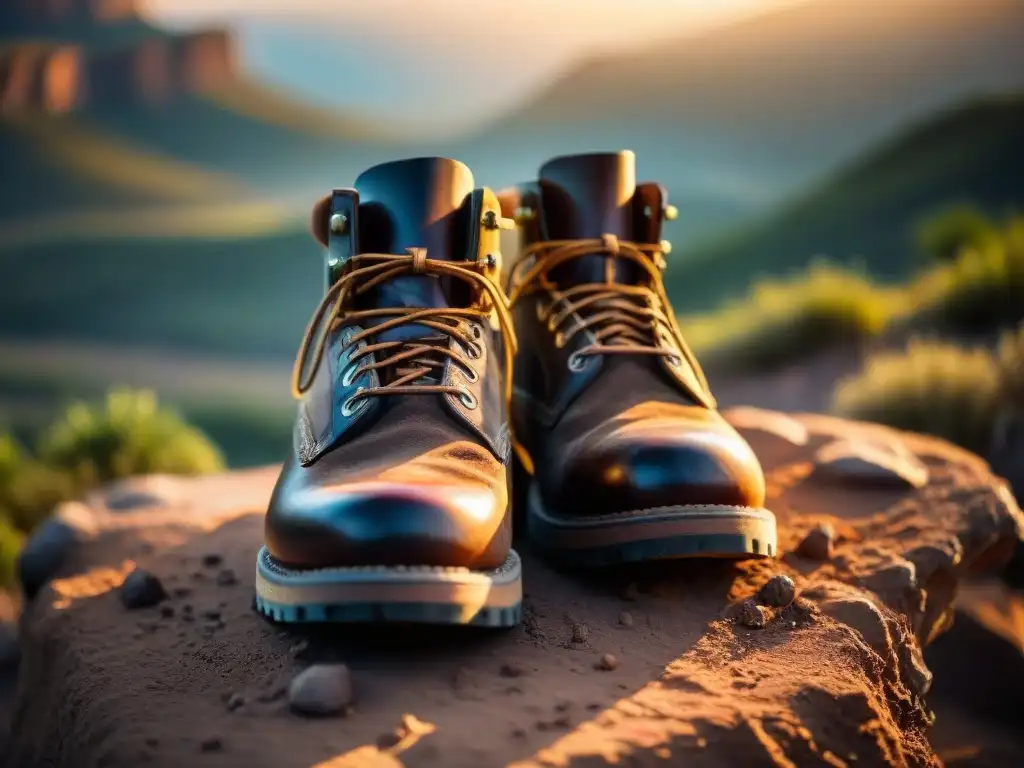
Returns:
point(848, 174)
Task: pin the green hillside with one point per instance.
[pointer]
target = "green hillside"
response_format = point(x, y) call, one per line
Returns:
point(865, 215)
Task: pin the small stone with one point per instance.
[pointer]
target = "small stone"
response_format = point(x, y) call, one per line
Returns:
point(212, 560)
point(819, 543)
point(626, 619)
point(753, 615)
point(235, 702)
point(580, 632)
point(608, 662)
point(212, 744)
point(322, 689)
point(800, 611)
point(777, 592)
point(511, 669)
point(44, 554)
point(141, 589)
point(227, 578)
point(167, 611)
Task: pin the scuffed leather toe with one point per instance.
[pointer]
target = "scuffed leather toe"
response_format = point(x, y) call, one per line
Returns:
point(317, 525)
point(681, 456)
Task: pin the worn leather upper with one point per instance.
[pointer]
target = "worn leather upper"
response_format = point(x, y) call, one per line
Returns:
point(612, 433)
point(415, 479)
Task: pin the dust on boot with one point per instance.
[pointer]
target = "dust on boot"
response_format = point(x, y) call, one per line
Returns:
point(394, 503)
point(631, 460)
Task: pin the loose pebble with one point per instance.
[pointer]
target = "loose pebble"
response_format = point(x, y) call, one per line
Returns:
point(511, 669)
point(227, 578)
point(212, 560)
point(141, 589)
point(777, 592)
point(580, 632)
point(753, 615)
point(322, 689)
point(819, 543)
point(626, 619)
point(235, 702)
point(608, 662)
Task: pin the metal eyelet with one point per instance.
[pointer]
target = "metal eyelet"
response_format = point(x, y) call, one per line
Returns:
point(674, 360)
point(353, 372)
point(476, 330)
point(471, 374)
point(349, 409)
point(577, 362)
point(474, 351)
point(467, 399)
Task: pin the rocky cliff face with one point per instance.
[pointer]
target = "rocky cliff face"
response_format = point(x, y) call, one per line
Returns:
point(153, 67)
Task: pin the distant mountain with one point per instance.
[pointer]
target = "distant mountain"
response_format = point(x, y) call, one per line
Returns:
point(99, 109)
point(865, 214)
point(735, 118)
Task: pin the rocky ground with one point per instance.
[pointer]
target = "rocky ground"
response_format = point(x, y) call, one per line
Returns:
point(141, 648)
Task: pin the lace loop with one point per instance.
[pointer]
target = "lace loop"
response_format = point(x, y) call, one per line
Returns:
point(624, 319)
point(412, 359)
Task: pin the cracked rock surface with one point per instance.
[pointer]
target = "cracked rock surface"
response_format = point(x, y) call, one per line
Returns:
point(830, 671)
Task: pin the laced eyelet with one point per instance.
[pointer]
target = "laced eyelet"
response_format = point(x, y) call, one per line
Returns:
point(577, 362)
point(476, 330)
point(674, 360)
point(353, 405)
point(467, 399)
point(471, 375)
point(353, 372)
point(474, 351)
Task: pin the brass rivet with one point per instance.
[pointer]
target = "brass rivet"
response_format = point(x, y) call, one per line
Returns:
point(339, 223)
point(524, 213)
point(671, 213)
point(665, 246)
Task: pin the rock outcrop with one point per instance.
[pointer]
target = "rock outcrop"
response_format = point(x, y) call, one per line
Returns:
point(813, 659)
point(72, 71)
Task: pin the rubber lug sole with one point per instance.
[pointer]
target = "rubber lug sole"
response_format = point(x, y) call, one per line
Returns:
point(374, 594)
point(664, 533)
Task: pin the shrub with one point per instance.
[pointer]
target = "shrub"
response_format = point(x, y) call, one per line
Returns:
point(129, 434)
point(982, 289)
point(933, 387)
point(11, 540)
point(946, 234)
point(28, 490)
point(785, 319)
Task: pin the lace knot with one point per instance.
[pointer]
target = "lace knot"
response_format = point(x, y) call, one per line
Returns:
point(419, 260)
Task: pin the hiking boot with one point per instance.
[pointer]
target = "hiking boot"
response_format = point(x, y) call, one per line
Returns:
point(394, 503)
point(630, 458)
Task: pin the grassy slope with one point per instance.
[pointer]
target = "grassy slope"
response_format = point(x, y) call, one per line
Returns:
point(865, 215)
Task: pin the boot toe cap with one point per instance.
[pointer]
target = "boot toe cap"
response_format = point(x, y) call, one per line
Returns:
point(661, 464)
point(379, 523)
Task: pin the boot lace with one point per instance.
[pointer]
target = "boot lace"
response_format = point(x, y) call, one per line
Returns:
point(412, 361)
point(624, 319)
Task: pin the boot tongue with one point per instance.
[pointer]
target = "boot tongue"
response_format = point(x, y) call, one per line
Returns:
point(587, 196)
point(416, 203)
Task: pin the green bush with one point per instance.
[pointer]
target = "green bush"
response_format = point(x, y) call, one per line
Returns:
point(786, 319)
point(980, 290)
point(949, 232)
point(933, 387)
point(11, 540)
point(128, 435)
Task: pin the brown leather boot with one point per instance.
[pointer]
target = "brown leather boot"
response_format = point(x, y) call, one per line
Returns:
point(394, 504)
point(631, 461)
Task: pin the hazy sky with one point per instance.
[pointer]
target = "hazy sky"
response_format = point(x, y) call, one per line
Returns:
point(441, 62)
